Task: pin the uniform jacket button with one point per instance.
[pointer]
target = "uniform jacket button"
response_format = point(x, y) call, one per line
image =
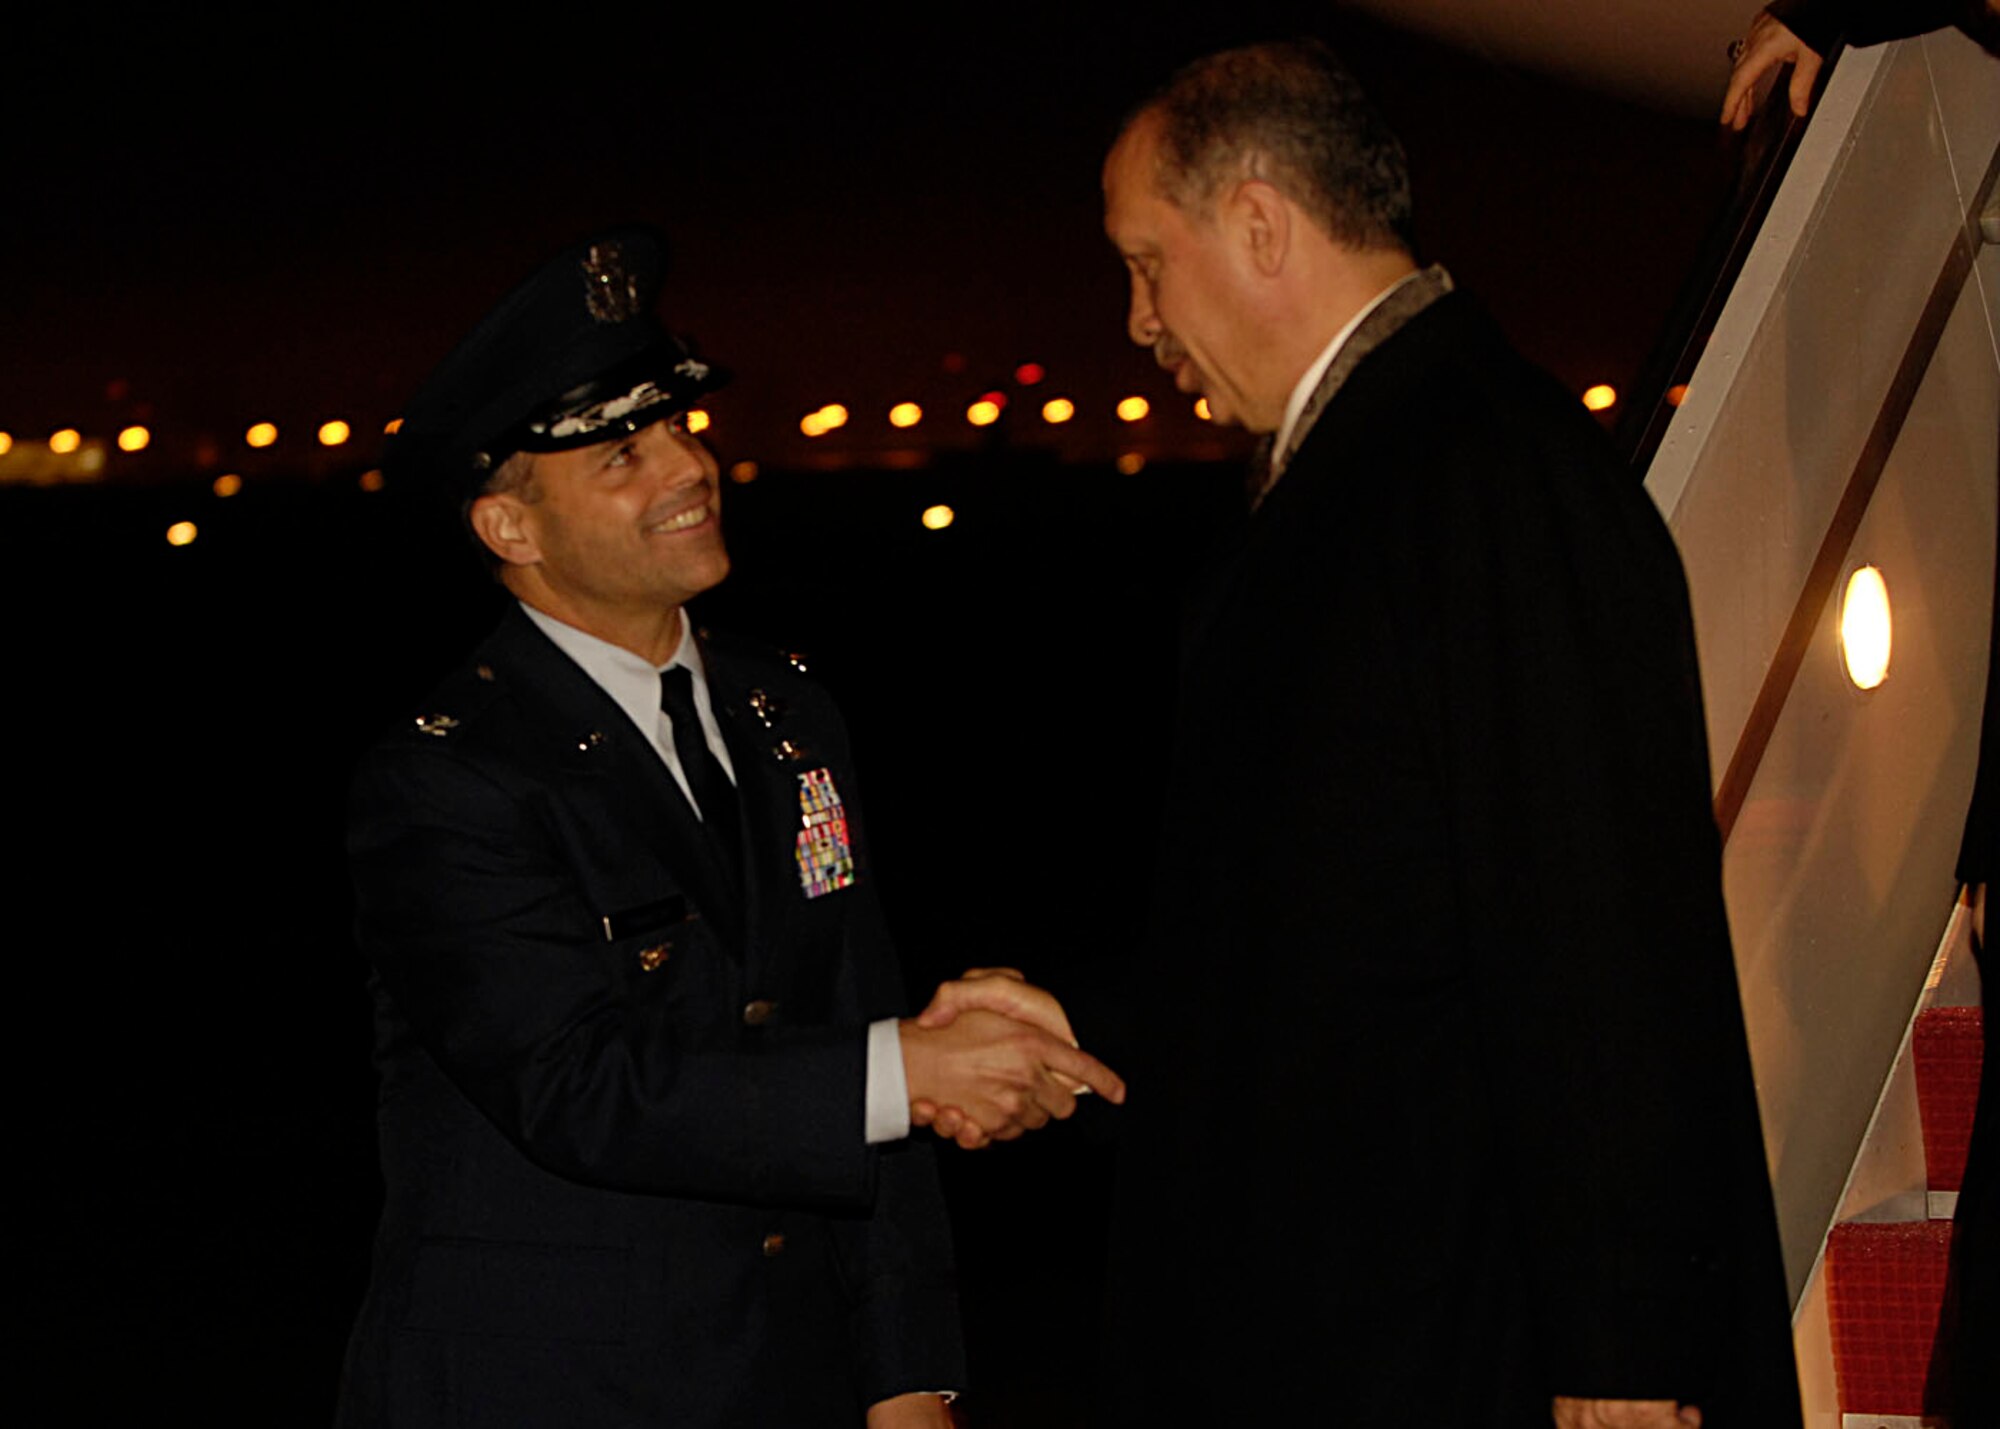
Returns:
point(774, 1243)
point(757, 1013)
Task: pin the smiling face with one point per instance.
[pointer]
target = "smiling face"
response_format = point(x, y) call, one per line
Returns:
point(1186, 284)
point(612, 538)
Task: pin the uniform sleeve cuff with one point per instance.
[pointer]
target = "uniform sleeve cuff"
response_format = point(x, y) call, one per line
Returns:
point(888, 1111)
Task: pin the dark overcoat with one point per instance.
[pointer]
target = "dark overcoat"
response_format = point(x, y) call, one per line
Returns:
point(621, 1110)
point(1442, 1104)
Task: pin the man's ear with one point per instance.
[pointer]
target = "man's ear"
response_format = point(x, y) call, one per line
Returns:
point(500, 519)
point(1262, 221)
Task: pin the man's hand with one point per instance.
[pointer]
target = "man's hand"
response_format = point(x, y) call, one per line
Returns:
point(910, 1411)
point(1005, 991)
point(1768, 45)
point(1625, 1414)
point(1002, 990)
point(1001, 1076)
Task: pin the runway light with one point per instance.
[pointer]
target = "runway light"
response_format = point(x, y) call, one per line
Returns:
point(134, 439)
point(1600, 398)
point(1864, 628)
point(1133, 409)
point(395, 425)
point(1029, 373)
point(1059, 410)
point(371, 480)
point(1131, 464)
point(996, 397)
point(6, 443)
point(743, 473)
point(261, 435)
point(181, 533)
point(936, 518)
point(983, 413)
point(64, 442)
point(817, 424)
point(696, 422)
point(1201, 409)
point(1677, 394)
point(905, 414)
point(228, 484)
point(334, 433)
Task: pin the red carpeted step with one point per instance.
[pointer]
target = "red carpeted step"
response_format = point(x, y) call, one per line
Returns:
point(1947, 1046)
point(1885, 1286)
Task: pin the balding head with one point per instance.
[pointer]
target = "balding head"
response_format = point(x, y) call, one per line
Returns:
point(1289, 114)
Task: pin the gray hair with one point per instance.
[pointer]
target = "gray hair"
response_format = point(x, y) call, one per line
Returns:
point(1290, 114)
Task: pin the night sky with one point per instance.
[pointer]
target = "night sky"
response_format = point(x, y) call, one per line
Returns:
point(209, 229)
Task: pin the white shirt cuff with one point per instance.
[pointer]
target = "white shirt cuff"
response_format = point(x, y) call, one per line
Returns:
point(888, 1092)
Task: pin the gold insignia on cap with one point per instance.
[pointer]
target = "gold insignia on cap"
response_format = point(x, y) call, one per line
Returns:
point(439, 725)
point(485, 672)
point(651, 958)
point(611, 293)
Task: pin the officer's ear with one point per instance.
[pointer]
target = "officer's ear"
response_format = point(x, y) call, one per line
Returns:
point(500, 521)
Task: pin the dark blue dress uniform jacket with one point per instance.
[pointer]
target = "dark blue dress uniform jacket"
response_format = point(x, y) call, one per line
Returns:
point(621, 1109)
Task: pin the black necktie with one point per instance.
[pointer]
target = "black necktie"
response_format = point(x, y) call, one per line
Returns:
point(714, 795)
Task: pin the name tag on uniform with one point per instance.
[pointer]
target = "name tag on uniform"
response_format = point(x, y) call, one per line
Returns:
point(825, 853)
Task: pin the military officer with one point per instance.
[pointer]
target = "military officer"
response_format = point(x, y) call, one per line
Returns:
point(645, 1093)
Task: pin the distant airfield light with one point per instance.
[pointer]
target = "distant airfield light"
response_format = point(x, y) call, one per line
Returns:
point(1131, 464)
point(1133, 409)
point(818, 424)
point(696, 422)
point(228, 484)
point(6, 443)
point(1677, 394)
point(64, 442)
point(261, 435)
point(936, 518)
point(743, 473)
point(983, 413)
point(1029, 373)
point(334, 433)
point(996, 397)
point(371, 480)
point(1058, 411)
point(395, 425)
point(1601, 398)
point(181, 533)
point(905, 414)
point(1201, 409)
point(134, 439)
point(1864, 628)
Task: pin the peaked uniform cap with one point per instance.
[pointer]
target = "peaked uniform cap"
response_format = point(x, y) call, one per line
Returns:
point(573, 356)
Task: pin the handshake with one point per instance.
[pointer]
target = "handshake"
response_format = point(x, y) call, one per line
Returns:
point(993, 1056)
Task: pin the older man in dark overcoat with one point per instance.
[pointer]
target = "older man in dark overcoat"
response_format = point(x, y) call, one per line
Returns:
point(1458, 1126)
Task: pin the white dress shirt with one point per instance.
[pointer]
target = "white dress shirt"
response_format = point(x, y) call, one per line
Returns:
point(1301, 393)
